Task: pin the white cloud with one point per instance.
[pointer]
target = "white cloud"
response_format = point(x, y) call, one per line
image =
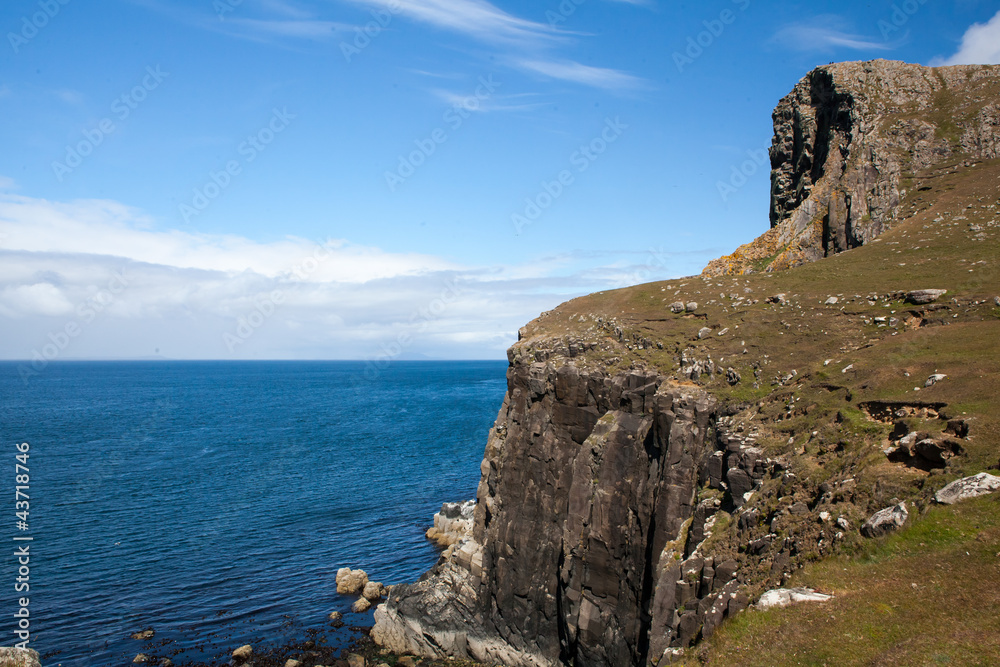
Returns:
point(99, 227)
point(980, 45)
point(131, 289)
point(35, 299)
point(598, 77)
point(516, 102)
point(477, 18)
point(826, 33)
point(484, 21)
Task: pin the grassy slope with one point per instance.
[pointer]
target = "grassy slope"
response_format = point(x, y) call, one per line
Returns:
point(841, 358)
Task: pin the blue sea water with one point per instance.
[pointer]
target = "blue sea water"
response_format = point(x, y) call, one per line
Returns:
point(214, 501)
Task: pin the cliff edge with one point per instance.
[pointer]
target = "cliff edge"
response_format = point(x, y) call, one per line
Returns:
point(667, 453)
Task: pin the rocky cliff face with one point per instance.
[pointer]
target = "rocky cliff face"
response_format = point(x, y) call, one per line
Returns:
point(848, 141)
point(586, 531)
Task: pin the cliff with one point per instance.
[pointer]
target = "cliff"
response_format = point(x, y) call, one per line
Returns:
point(848, 141)
point(666, 453)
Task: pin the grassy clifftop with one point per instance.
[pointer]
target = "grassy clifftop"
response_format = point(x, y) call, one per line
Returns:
point(825, 366)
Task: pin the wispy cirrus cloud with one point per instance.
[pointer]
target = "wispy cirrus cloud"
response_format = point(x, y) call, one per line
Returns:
point(476, 18)
point(824, 34)
point(515, 102)
point(568, 70)
point(485, 22)
point(980, 45)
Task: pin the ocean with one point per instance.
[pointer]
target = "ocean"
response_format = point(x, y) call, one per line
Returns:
point(213, 502)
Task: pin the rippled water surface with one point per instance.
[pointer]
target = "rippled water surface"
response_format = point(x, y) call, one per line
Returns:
point(213, 502)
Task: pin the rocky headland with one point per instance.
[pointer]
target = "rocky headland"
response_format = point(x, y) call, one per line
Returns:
point(668, 453)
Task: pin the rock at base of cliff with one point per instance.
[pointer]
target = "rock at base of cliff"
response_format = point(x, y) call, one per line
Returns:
point(19, 657)
point(242, 654)
point(373, 591)
point(361, 605)
point(969, 487)
point(453, 523)
point(885, 521)
point(351, 582)
point(782, 597)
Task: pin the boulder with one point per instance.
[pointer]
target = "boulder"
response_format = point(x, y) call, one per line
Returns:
point(691, 306)
point(143, 635)
point(361, 605)
point(373, 591)
point(782, 597)
point(142, 658)
point(938, 451)
point(355, 660)
point(242, 654)
point(292, 663)
point(934, 379)
point(831, 301)
point(19, 657)
point(704, 332)
point(885, 521)
point(968, 487)
point(336, 616)
point(351, 582)
point(677, 307)
point(922, 296)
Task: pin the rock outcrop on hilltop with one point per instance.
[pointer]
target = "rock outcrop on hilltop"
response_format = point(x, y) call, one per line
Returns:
point(848, 140)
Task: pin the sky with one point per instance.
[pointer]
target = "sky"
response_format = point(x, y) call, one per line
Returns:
point(391, 179)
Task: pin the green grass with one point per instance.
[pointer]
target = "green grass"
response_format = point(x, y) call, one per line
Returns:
point(927, 595)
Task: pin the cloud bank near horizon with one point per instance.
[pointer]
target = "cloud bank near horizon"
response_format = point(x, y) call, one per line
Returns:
point(97, 279)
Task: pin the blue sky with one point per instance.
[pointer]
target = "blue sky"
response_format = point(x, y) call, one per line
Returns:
point(381, 179)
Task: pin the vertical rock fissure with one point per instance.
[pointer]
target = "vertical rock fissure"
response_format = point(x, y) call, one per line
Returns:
point(650, 556)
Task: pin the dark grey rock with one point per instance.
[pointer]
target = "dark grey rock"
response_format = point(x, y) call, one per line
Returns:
point(885, 521)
